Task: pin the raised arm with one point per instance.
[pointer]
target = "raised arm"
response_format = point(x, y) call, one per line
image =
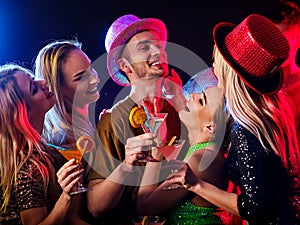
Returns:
point(67, 179)
point(107, 191)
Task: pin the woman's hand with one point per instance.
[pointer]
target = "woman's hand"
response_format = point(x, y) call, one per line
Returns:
point(68, 175)
point(172, 90)
point(183, 174)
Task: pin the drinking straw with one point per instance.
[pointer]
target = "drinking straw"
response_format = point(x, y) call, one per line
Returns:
point(172, 140)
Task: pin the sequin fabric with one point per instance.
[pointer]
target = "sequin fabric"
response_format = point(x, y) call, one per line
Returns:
point(266, 187)
point(186, 213)
point(296, 202)
point(29, 191)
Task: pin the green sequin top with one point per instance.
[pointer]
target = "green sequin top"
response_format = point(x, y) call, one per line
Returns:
point(197, 147)
point(186, 213)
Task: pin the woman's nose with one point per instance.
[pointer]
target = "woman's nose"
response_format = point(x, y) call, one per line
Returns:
point(42, 84)
point(94, 77)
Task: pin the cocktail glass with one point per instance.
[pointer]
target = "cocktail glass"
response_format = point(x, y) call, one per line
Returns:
point(152, 124)
point(77, 155)
point(171, 151)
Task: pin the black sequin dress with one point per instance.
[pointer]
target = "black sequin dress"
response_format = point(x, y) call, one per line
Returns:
point(266, 187)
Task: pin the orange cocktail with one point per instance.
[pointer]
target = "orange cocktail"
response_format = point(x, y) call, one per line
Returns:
point(72, 154)
point(84, 145)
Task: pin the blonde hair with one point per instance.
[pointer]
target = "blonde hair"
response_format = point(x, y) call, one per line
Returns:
point(48, 65)
point(268, 117)
point(19, 141)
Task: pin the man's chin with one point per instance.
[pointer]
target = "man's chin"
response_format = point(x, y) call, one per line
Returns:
point(162, 73)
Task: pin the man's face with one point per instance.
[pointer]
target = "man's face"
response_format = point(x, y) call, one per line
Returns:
point(146, 55)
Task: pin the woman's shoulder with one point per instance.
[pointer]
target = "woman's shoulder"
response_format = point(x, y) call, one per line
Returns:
point(241, 131)
point(29, 176)
point(238, 127)
point(27, 167)
point(30, 186)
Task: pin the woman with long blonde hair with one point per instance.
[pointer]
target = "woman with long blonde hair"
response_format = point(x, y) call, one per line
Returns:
point(31, 192)
point(264, 153)
point(73, 81)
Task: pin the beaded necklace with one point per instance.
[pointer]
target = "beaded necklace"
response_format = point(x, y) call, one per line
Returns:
point(197, 147)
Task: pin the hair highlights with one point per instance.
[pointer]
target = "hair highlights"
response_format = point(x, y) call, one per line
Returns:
point(268, 117)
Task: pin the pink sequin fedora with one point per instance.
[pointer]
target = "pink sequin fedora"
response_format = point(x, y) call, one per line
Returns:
point(255, 49)
point(119, 33)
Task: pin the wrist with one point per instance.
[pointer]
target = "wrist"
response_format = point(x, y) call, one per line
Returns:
point(196, 188)
point(66, 196)
point(157, 154)
point(126, 167)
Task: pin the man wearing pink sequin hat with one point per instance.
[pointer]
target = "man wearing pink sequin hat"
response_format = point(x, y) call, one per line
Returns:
point(136, 58)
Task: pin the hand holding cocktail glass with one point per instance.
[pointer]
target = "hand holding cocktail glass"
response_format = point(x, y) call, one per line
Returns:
point(170, 150)
point(150, 123)
point(184, 177)
point(84, 144)
point(68, 180)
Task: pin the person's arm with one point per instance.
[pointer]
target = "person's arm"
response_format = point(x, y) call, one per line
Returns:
point(150, 195)
point(106, 192)
point(211, 193)
point(39, 214)
point(250, 203)
point(152, 199)
point(75, 211)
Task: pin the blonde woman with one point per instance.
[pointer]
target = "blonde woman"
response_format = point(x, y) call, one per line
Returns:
point(263, 156)
point(206, 124)
point(29, 188)
point(73, 81)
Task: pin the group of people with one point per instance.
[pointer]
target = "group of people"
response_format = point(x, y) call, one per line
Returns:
point(238, 117)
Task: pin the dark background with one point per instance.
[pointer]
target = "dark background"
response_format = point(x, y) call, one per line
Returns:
point(26, 26)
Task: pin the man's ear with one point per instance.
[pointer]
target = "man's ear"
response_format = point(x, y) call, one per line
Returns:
point(209, 128)
point(124, 65)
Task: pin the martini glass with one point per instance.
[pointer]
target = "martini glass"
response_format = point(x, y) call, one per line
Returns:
point(152, 124)
point(77, 155)
point(170, 150)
